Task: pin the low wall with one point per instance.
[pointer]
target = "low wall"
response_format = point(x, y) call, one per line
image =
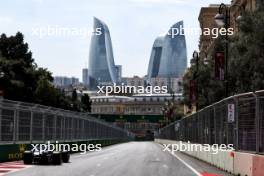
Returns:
point(13, 152)
point(238, 163)
point(243, 163)
point(258, 165)
point(247, 164)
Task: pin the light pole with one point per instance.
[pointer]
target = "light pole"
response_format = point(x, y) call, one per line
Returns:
point(222, 19)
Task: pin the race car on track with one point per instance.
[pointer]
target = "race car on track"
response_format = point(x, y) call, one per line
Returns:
point(46, 157)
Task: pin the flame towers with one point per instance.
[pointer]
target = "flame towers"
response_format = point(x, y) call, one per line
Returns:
point(102, 69)
point(168, 59)
point(169, 56)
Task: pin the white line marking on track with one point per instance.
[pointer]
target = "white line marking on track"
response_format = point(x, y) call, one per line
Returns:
point(186, 164)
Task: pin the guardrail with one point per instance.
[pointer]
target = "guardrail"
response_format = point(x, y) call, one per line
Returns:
point(28, 123)
point(236, 120)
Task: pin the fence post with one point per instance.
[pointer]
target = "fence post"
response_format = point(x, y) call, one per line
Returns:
point(226, 125)
point(215, 133)
point(96, 130)
point(15, 126)
point(31, 125)
point(236, 123)
point(72, 128)
point(83, 129)
point(54, 135)
point(257, 123)
point(209, 127)
point(43, 126)
point(63, 128)
point(0, 119)
point(261, 127)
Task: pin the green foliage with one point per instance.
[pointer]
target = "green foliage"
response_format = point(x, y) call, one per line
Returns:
point(86, 102)
point(23, 80)
point(74, 95)
point(209, 89)
point(19, 68)
point(247, 54)
point(45, 93)
point(245, 63)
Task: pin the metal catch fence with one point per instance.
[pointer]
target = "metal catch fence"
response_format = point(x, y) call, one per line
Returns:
point(237, 120)
point(25, 122)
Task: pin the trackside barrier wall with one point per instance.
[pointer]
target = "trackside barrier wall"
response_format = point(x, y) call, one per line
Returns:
point(237, 120)
point(237, 163)
point(223, 159)
point(24, 123)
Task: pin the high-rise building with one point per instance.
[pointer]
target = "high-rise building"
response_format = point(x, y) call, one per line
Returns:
point(168, 60)
point(169, 56)
point(85, 77)
point(63, 81)
point(102, 69)
point(154, 63)
point(119, 72)
point(174, 85)
point(207, 21)
point(133, 81)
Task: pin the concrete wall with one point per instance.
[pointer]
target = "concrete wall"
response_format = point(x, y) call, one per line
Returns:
point(243, 163)
point(248, 164)
point(238, 163)
point(258, 165)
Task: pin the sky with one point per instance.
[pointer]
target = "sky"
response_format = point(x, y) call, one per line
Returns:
point(133, 25)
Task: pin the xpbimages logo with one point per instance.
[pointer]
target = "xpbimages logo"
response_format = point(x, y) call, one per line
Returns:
point(83, 148)
point(66, 31)
point(124, 89)
point(189, 147)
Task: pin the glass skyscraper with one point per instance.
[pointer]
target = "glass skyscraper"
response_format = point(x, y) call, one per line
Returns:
point(169, 56)
point(102, 69)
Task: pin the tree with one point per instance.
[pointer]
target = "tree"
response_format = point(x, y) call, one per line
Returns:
point(260, 4)
point(247, 54)
point(18, 66)
point(86, 102)
point(74, 95)
point(209, 89)
point(21, 72)
point(245, 63)
point(23, 80)
point(45, 93)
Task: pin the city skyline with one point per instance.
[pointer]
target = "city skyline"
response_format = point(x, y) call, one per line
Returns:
point(134, 25)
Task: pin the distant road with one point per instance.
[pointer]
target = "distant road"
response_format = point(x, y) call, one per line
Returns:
point(127, 159)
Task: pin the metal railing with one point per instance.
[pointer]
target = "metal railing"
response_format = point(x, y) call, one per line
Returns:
point(237, 120)
point(26, 122)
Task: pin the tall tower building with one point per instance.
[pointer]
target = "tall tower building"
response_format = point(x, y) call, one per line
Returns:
point(154, 63)
point(85, 77)
point(119, 72)
point(169, 55)
point(102, 69)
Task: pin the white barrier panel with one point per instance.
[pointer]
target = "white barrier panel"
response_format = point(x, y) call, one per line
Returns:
point(223, 159)
point(243, 164)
